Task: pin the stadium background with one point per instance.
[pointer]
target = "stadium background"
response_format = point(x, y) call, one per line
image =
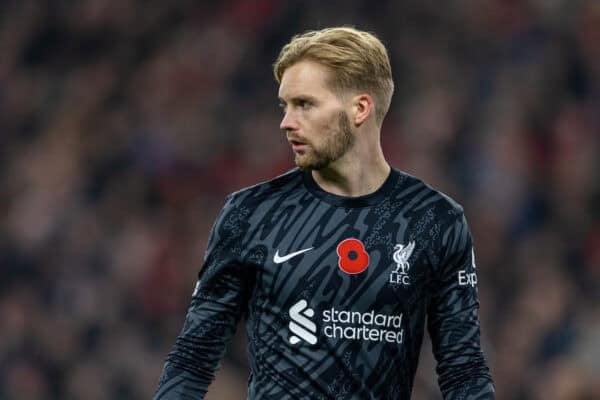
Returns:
point(123, 123)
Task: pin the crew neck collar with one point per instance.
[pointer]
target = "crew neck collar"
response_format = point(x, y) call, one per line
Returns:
point(367, 200)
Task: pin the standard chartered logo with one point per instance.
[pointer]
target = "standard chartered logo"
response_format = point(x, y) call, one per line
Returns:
point(300, 325)
point(343, 324)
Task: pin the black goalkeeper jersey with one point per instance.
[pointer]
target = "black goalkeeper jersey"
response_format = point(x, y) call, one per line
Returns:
point(336, 292)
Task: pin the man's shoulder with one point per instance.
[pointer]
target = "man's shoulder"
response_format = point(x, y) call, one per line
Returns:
point(428, 196)
point(242, 204)
point(284, 183)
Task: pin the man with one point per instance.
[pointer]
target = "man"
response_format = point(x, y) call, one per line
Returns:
point(337, 263)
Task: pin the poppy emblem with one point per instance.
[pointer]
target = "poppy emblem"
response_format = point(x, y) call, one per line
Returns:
point(353, 258)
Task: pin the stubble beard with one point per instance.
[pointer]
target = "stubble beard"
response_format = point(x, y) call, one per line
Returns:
point(336, 143)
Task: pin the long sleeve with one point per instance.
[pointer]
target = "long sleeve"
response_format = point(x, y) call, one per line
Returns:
point(453, 321)
point(218, 302)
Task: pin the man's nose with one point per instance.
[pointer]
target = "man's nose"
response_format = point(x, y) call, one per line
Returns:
point(288, 123)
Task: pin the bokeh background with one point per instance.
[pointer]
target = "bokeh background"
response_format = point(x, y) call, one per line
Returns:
point(124, 123)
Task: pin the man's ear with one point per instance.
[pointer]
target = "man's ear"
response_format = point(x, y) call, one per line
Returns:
point(362, 108)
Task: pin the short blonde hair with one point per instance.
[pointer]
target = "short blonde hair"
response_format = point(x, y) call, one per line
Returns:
point(358, 59)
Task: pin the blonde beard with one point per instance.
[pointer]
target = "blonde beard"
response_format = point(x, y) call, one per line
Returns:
point(336, 143)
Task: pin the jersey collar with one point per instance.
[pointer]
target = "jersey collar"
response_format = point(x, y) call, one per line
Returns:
point(353, 202)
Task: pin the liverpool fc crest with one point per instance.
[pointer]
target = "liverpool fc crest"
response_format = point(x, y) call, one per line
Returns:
point(401, 255)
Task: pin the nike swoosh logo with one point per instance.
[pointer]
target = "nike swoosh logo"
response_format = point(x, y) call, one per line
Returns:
point(277, 259)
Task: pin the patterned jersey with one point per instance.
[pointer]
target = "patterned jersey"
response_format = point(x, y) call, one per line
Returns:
point(336, 292)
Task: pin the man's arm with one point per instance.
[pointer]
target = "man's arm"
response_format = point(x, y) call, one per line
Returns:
point(453, 322)
point(218, 302)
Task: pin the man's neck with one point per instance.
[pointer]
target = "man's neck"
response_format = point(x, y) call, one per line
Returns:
point(353, 178)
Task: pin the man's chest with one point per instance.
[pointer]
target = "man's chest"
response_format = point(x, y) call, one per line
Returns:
point(358, 259)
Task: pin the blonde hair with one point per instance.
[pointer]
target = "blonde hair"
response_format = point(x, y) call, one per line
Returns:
point(358, 59)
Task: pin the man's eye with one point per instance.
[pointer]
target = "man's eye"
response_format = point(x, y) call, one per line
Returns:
point(283, 107)
point(305, 104)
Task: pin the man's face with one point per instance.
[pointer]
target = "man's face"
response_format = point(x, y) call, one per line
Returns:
point(315, 121)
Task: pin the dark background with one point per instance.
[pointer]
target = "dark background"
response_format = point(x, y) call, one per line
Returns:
point(123, 124)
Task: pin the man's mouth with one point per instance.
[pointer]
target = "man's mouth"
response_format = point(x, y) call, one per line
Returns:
point(298, 145)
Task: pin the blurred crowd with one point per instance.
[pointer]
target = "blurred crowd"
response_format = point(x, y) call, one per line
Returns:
point(124, 123)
